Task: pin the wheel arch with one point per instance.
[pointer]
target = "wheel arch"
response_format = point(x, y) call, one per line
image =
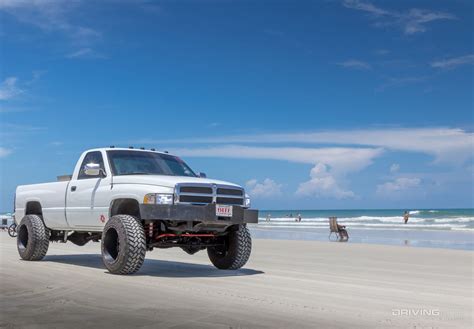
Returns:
point(33, 208)
point(125, 206)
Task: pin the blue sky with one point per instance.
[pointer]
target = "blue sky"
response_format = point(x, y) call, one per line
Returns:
point(309, 104)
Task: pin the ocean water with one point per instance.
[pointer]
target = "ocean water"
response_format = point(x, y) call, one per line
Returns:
point(436, 228)
point(424, 219)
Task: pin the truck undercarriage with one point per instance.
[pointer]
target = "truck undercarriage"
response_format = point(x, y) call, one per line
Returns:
point(162, 235)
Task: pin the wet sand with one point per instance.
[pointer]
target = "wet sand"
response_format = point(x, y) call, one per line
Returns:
point(286, 284)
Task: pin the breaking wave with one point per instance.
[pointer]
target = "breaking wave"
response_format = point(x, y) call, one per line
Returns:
point(393, 222)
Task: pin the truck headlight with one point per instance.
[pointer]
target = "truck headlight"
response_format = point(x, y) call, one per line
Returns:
point(158, 198)
point(247, 201)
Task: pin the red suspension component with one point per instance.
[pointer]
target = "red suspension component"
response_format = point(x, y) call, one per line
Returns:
point(188, 235)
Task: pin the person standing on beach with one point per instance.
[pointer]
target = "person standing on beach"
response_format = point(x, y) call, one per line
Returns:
point(299, 217)
point(406, 216)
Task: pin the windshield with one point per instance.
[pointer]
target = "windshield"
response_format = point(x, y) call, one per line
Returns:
point(124, 162)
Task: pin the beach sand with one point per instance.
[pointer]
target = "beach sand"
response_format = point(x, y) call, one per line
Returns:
point(286, 284)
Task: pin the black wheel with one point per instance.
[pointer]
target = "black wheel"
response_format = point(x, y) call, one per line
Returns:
point(12, 230)
point(33, 238)
point(235, 252)
point(123, 245)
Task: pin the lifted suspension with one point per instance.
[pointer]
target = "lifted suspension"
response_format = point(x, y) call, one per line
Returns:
point(189, 242)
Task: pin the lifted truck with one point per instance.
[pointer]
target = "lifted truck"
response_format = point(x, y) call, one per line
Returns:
point(134, 200)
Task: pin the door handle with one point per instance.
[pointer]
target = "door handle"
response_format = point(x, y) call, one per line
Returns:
point(73, 188)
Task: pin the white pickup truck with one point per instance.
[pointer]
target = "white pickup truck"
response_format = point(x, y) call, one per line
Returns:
point(134, 200)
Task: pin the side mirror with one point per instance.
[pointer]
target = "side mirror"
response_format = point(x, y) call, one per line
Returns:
point(202, 175)
point(92, 169)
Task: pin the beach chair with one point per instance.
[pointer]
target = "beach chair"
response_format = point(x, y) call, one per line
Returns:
point(336, 229)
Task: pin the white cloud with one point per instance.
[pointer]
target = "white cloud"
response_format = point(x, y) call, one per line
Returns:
point(341, 160)
point(323, 184)
point(394, 168)
point(449, 145)
point(85, 53)
point(9, 88)
point(330, 165)
point(401, 184)
point(266, 189)
point(365, 6)
point(355, 64)
point(51, 16)
point(415, 20)
point(411, 22)
point(4, 152)
point(450, 63)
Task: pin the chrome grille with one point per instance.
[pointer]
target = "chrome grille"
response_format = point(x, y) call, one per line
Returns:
point(200, 193)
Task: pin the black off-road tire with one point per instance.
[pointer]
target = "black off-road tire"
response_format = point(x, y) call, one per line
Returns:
point(236, 250)
point(123, 244)
point(33, 238)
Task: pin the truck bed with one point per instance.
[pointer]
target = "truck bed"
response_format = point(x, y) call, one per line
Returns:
point(52, 197)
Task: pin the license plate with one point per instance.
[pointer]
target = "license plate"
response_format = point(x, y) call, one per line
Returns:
point(223, 211)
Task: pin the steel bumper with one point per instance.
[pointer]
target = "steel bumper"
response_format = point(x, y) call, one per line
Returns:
point(204, 214)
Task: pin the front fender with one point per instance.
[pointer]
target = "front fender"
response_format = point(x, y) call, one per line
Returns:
point(136, 191)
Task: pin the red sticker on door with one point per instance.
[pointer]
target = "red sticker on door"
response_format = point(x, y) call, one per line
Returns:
point(102, 218)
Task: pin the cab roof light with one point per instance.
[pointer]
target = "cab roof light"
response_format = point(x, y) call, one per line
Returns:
point(130, 147)
point(112, 146)
point(142, 148)
point(152, 149)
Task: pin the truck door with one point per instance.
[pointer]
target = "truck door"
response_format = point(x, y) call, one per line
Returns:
point(88, 197)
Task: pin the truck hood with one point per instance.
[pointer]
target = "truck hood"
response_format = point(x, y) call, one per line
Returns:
point(166, 181)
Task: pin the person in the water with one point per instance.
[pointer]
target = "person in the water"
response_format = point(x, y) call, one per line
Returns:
point(406, 216)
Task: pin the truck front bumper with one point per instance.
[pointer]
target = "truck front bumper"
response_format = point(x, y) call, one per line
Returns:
point(205, 214)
